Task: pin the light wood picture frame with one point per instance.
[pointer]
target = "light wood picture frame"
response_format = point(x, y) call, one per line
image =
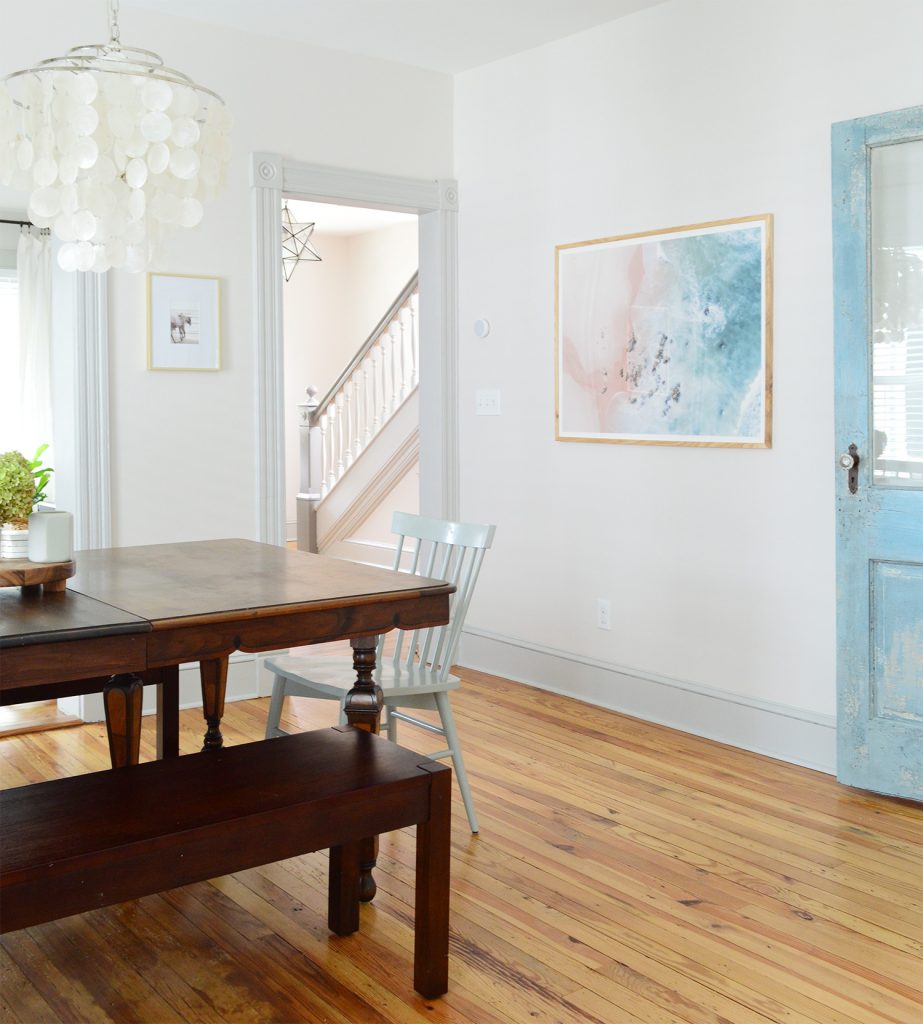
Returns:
point(183, 322)
point(665, 337)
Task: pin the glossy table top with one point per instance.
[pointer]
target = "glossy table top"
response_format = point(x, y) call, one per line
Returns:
point(139, 589)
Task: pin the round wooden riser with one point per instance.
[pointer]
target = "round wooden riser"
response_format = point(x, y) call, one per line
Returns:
point(20, 572)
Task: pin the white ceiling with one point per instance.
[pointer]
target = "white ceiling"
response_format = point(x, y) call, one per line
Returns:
point(442, 35)
point(344, 220)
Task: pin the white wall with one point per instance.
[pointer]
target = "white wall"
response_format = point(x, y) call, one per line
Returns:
point(719, 563)
point(183, 450)
point(382, 262)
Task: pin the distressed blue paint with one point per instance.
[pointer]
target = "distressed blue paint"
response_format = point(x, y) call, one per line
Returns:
point(880, 529)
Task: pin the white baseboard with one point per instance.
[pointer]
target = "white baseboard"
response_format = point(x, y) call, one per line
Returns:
point(242, 685)
point(790, 734)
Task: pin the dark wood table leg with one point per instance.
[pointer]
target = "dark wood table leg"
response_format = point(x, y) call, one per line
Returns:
point(363, 711)
point(122, 697)
point(167, 681)
point(364, 700)
point(214, 675)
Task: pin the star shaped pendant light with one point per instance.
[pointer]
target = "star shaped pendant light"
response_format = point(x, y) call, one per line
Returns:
point(296, 243)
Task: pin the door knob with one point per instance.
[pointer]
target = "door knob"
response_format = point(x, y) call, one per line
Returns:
point(849, 461)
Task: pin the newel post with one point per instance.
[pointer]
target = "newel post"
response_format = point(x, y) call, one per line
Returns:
point(311, 470)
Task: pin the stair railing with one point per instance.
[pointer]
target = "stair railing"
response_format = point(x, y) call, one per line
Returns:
point(375, 383)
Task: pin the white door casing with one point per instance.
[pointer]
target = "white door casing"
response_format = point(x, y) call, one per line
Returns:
point(436, 204)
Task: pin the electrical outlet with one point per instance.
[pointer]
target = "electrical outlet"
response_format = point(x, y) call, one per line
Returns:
point(487, 402)
point(603, 613)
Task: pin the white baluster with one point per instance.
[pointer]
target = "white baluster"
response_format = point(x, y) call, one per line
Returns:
point(358, 403)
point(384, 379)
point(376, 387)
point(414, 345)
point(369, 401)
point(324, 456)
point(347, 401)
point(397, 333)
point(395, 385)
point(339, 421)
point(330, 463)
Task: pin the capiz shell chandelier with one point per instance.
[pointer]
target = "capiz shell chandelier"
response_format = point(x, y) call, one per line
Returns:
point(115, 149)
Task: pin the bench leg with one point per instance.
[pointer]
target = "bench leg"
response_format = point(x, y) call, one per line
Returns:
point(431, 915)
point(343, 893)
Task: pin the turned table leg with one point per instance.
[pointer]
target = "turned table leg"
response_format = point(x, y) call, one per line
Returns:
point(214, 676)
point(122, 697)
point(363, 711)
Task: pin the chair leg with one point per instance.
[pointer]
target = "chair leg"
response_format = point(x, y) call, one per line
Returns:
point(275, 709)
point(392, 726)
point(451, 735)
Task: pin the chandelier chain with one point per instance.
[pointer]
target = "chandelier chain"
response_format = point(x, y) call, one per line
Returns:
point(114, 34)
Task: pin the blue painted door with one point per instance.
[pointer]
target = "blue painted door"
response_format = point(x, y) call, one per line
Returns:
point(878, 294)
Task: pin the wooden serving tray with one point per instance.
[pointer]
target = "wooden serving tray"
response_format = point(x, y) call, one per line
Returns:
point(20, 572)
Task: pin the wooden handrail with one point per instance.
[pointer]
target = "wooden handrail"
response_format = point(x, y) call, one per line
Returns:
point(366, 346)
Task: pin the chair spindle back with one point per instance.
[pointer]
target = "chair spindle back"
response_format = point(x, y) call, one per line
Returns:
point(446, 551)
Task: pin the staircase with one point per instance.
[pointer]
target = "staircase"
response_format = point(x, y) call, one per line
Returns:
point(362, 437)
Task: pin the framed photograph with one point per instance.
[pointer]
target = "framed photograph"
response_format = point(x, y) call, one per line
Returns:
point(183, 322)
point(665, 337)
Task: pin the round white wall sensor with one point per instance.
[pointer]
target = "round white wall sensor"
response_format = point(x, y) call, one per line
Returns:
point(481, 328)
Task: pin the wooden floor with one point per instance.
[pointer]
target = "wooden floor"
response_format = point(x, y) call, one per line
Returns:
point(624, 872)
point(33, 717)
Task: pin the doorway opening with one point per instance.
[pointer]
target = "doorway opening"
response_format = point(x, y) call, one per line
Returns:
point(351, 371)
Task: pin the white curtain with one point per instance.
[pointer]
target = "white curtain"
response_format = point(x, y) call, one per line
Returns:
point(33, 266)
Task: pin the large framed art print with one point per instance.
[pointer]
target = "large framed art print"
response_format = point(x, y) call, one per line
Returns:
point(665, 337)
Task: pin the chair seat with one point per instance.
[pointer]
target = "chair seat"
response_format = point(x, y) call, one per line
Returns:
point(329, 676)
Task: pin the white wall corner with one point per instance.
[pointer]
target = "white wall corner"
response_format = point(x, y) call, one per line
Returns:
point(790, 734)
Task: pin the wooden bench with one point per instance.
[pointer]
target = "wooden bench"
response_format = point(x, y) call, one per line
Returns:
point(79, 843)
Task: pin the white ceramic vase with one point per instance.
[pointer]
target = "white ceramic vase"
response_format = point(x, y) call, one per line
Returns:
point(51, 536)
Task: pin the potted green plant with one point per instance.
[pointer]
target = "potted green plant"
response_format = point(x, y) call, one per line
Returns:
point(23, 484)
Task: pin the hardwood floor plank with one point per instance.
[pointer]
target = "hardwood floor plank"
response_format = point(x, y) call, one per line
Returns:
point(25, 1004)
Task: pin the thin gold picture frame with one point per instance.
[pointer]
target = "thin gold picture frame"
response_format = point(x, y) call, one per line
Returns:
point(766, 219)
point(216, 300)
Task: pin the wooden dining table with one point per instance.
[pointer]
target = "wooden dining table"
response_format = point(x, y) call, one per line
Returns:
point(131, 616)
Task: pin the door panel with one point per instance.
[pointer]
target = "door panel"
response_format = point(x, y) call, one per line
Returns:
point(878, 285)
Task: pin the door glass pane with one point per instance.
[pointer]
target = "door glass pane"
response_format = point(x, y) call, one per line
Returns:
point(897, 313)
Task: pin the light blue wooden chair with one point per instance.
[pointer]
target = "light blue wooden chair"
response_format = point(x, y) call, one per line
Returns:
point(417, 675)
